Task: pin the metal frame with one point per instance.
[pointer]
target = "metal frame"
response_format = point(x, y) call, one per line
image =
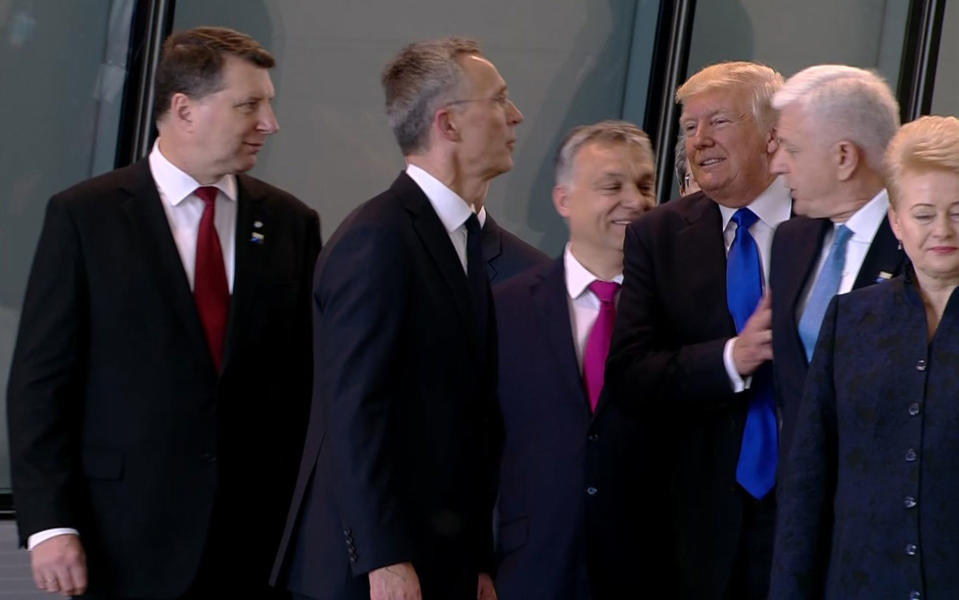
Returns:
point(920, 53)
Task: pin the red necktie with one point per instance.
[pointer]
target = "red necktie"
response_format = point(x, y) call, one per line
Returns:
point(597, 344)
point(210, 290)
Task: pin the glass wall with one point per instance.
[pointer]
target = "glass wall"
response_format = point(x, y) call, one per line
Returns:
point(945, 94)
point(62, 69)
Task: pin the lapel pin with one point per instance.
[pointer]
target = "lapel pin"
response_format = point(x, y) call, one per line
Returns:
point(257, 224)
point(883, 276)
point(257, 238)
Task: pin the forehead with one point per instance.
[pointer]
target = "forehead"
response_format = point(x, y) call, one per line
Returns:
point(728, 99)
point(794, 122)
point(601, 157)
point(929, 186)
point(243, 78)
point(480, 73)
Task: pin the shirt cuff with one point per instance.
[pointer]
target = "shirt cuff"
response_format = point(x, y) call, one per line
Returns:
point(41, 536)
point(738, 383)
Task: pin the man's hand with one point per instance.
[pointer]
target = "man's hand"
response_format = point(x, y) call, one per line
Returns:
point(395, 582)
point(754, 345)
point(484, 588)
point(60, 565)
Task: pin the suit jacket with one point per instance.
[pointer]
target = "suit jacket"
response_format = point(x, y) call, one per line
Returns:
point(795, 252)
point(399, 457)
point(666, 362)
point(869, 489)
point(573, 515)
point(506, 254)
point(120, 425)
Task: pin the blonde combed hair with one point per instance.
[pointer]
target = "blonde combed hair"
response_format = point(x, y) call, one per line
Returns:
point(928, 143)
point(759, 80)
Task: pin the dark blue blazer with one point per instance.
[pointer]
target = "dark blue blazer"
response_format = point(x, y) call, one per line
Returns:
point(867, 508)
point(796, 248)
point(575, 519)
point(506, 254)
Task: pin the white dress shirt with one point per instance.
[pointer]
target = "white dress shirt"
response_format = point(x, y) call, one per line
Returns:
point(864, 223)
point(583, 303)
point(773, 206)
point(450, 208)
point(183, 211)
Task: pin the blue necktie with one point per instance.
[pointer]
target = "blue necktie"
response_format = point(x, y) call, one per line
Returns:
point(756, 469)
point(826, 286)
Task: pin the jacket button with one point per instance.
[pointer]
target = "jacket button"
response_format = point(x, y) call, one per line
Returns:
point(910, 502)
point(592, 437)
point(913, 409)
point(921, 365)
point(910, 549)
point(911, 455)
point(591, 491)
point(914, 595)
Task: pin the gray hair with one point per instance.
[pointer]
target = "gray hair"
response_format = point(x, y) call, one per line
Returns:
point(417, 82)
point(607, 132)
point(759, 80)
point(847, 103)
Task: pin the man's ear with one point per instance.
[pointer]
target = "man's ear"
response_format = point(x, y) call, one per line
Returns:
point(772, 142)
point(561, 200)
point(847, 157)
point(445, 122)
point(181, 111)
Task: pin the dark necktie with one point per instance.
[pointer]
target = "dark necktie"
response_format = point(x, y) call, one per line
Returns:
point(758, 452)
point(210, 290)
point(479, 284)
point(597, 343)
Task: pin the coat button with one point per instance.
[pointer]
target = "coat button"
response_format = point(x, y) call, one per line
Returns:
point(910, 549)
point(909, 502)
point(914, 595)
point(592, 437)
point(913, 409)
point(591, 491)
point(911, 455)
point(921, 365)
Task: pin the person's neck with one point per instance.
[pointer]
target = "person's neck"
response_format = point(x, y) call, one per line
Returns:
point(472, 190)
point(854, 195)
point(738, 198)
point(181, 161)
point(935, 293)
point(604, 264)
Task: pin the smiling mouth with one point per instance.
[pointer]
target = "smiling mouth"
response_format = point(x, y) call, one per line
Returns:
point(621, 221)
point(710, 162)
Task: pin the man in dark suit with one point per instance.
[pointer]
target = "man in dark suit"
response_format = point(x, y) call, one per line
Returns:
point(161, 374)
point(506, 254)
point(676, 354)
point(834, 124)
point(570, 499)
point(396, 486)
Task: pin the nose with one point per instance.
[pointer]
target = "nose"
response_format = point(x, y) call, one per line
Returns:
point(942, 226)
point(636, 200)
point(515, 117)
point(697, 138)
point(267, 122)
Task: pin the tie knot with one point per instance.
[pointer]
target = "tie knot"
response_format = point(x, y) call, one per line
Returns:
point(604, 290)
point(744, 218)
point(472, 224)
point(206, 193)
point(843, 234)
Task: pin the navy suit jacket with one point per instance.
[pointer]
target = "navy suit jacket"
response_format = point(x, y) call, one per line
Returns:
point(399, 461)
point(506, 255)
point(575, 520)
point(796, 248)
point(121, 427)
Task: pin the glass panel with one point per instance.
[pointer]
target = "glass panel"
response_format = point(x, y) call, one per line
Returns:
point(945, 95)
point(62, 68)
point(565, 62)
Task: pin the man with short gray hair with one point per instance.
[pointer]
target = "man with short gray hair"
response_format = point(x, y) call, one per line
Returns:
point(396, 486)
point(834, 124)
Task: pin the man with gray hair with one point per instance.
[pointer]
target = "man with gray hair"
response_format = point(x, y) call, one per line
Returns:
point(692, 339)
point(396, 485)
point(834, 124)
point(572, 505)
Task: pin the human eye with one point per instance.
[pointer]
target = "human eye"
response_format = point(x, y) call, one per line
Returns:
point(689, 127)
point(719, 121)
point(923, 216)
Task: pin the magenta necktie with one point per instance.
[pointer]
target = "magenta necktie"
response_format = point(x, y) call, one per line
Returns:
point(597, 344)
point(210, 290)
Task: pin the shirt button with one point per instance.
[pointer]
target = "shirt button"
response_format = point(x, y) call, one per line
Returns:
point(914, 595)
point(921, 365)
point(909, 502)
point(591, 491)
point(911, 455)
point(911, 549)
point(913, 409)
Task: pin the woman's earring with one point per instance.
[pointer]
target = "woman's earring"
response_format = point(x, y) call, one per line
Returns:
point(900, 244)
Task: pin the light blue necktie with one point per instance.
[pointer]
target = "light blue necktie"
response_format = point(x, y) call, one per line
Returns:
point(826, 286)
point(758, 453)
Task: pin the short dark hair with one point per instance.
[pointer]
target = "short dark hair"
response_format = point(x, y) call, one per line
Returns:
point(417, 81)
point(192, 62)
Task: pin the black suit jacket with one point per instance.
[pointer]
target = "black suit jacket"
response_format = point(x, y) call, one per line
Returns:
point(119, 424)
point(507, 255)
point(574, 516)
point(666, 362)
point(796, 248)
point(398, 462)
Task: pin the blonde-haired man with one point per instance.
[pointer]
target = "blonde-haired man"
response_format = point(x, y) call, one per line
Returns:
point(692, 337)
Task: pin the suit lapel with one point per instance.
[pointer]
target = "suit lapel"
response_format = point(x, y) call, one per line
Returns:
point(492, 245)
point(147, 216)
point(883, 256)
point(249, 255)
point(805, 248)
point(703, 267)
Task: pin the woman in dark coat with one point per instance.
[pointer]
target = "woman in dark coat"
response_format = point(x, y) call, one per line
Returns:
point(869, 502)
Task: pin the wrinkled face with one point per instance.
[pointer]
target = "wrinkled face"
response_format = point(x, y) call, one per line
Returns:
point(231, 125)
point(610, 185)
point(486, 119)
point(926, 220)
point(805, 159)
point(727, 152)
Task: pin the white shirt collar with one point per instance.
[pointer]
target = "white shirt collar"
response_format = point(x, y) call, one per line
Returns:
point(450, 208)
point(865, 221)
point(176, 185)
point(772, 206)
point(579, 277)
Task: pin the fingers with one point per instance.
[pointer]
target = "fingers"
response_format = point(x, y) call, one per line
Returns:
point(59, 565)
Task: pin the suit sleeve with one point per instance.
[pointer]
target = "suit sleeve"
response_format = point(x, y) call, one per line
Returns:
point(45, 389)
point(645, 357)
point(804, 518)
point(361, 299)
